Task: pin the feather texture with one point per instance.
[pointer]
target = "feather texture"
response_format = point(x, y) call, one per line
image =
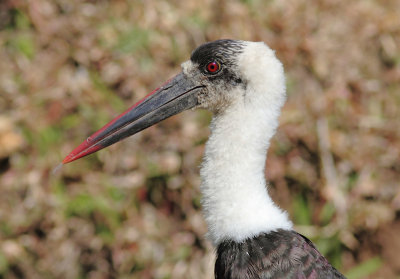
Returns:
point(277, 254)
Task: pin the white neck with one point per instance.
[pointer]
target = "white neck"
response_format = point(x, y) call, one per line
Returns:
point(235, 200)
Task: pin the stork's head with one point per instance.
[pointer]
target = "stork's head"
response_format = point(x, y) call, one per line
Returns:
point(218, 75)
point(235, 71)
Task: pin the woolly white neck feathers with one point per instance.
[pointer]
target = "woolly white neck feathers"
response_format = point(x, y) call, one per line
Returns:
point(235, 200)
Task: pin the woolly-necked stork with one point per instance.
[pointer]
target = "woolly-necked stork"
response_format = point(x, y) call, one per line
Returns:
point(243, 84)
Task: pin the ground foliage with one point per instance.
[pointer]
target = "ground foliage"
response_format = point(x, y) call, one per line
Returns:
point(133, 210)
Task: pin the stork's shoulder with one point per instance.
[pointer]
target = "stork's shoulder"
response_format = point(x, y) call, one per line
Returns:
point(278, 254)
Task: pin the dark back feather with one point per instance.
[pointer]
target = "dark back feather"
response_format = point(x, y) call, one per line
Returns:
point(278, 254)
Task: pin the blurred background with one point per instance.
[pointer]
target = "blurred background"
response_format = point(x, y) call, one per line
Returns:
point(133, 210)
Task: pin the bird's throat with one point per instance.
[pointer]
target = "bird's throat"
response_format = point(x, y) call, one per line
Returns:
point(235, 200)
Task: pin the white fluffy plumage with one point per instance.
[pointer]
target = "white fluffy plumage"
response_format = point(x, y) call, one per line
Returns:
point(235, 200)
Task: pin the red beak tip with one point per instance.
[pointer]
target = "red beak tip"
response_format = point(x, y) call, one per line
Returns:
point(67, 159)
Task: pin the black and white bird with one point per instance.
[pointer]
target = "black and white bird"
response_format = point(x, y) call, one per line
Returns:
point(243, 84)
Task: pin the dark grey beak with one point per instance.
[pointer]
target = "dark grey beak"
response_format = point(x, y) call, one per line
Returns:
point(174, 96)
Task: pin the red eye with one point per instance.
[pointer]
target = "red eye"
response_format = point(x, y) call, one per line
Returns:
point(213, 67)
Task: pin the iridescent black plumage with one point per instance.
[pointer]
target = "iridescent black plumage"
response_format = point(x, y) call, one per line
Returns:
point(279, 254)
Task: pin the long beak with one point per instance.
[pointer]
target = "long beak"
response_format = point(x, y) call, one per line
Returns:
point(176, 95)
